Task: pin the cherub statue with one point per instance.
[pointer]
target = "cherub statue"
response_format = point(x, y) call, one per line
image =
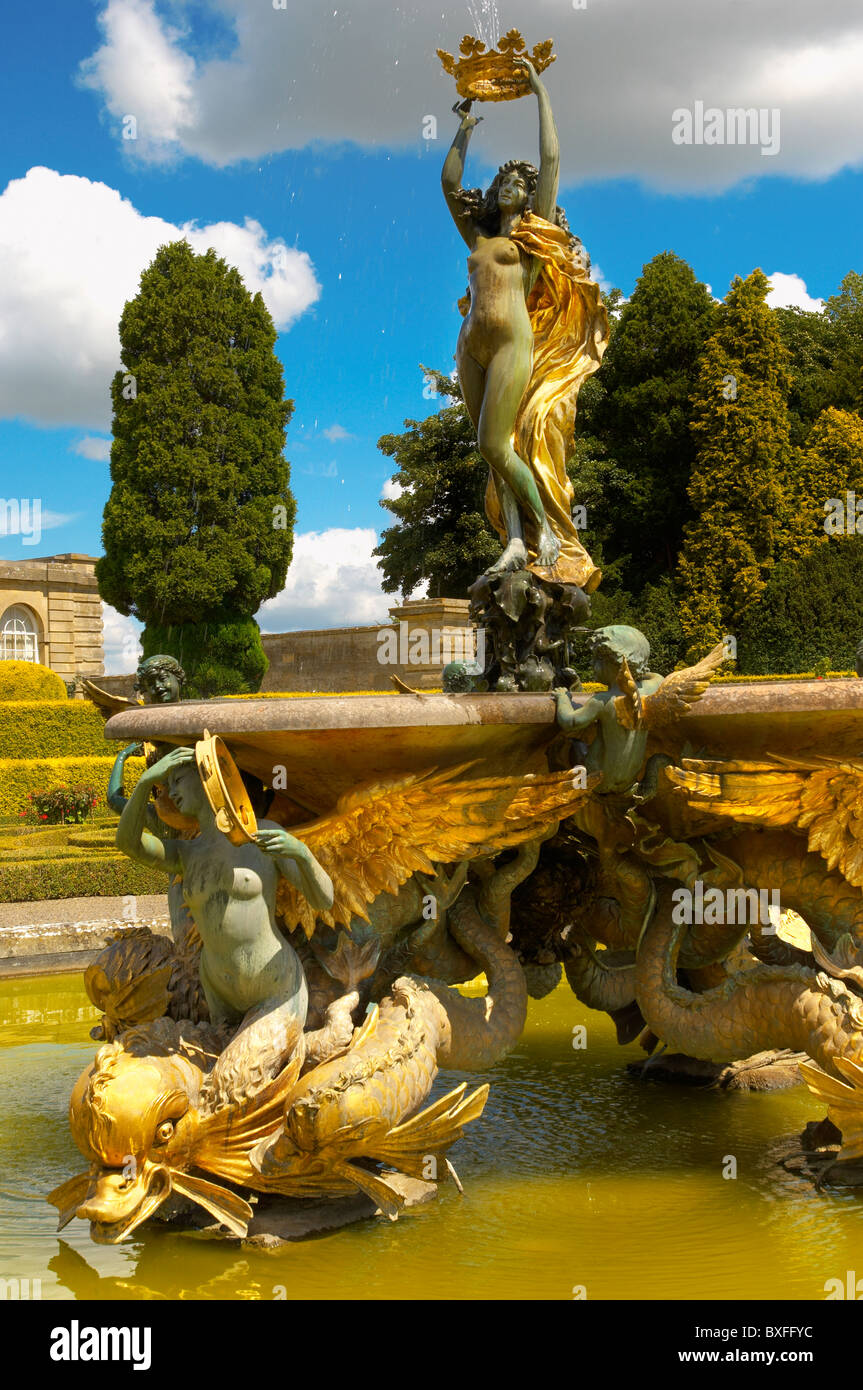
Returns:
point(636, 703)
point(158, 681)
point(620, 661)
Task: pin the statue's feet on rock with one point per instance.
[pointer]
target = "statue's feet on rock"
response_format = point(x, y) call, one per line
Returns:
point(513, 558)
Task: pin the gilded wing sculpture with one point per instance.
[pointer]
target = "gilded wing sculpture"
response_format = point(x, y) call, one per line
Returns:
point(378, 836)
point(674, 698)
point(106, 702)
point(822, 797)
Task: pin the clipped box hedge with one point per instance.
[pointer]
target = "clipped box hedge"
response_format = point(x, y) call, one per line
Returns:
point(28, 680)
point(20, 776)
point(100, 876)
point(52, 729)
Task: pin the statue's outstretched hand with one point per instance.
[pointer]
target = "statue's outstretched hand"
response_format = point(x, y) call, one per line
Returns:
point(277, 842)
point(462, 108)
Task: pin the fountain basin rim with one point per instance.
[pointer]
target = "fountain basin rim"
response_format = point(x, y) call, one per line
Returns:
point(187, 718)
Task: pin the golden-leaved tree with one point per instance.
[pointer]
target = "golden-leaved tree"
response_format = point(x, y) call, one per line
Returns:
point(742, 477)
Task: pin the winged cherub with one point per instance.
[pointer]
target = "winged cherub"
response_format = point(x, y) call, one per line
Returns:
point(635, 701)
point(636, 704)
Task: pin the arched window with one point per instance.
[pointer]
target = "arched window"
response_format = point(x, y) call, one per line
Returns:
point(19, 635)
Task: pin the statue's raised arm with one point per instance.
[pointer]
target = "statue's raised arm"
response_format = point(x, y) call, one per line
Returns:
point(453, 173)
point(545, 203)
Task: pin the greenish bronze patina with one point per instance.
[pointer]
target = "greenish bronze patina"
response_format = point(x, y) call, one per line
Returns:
point(230, 891)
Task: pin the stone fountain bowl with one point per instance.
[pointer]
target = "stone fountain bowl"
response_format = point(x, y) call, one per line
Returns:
point(330, 744)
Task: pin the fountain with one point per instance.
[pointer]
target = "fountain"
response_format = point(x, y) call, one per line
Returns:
point(339, 866)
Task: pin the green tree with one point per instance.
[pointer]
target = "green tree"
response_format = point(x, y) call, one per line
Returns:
point(199, 524)
point(809, 612)
point(826, 356)
point(826, 470)
point(742, 472)
point(809, 340)
point(845, 314)
point(634, 450)
point(442, 534)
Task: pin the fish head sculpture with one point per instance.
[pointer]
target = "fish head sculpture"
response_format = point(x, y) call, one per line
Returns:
point(136, 1118)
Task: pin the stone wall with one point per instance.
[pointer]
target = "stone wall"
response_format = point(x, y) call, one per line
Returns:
point(421, 638)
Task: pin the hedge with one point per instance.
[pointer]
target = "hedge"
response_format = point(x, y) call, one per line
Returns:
point(19, 776)
point(112, 876)
point(27, 680)
point(52, 729)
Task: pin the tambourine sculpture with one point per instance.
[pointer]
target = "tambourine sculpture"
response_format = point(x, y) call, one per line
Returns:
point(225, 790)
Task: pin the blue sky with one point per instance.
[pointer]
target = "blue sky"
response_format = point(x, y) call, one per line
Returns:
point(293, 141)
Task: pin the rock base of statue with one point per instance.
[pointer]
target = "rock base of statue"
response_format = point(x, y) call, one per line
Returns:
point(814, 1157)
point(764, 1071)
point(527, 628)
point(282, 1220)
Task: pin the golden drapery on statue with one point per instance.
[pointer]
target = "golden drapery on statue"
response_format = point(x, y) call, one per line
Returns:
point(570, 334)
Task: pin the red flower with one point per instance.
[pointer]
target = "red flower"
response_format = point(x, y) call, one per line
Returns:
point(43, 816)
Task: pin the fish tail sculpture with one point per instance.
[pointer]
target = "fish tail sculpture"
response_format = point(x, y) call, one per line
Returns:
point(602, 980)
point(476, 1033)
point(361, 1106)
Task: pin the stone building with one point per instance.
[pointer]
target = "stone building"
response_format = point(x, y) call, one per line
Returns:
point(50, 612)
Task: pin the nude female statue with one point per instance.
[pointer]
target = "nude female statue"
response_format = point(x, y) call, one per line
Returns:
point(248, 969)
point(516, 234)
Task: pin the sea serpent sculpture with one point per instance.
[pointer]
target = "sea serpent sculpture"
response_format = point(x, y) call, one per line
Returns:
point(209, 1111)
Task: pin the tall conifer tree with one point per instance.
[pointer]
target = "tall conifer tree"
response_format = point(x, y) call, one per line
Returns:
point(199, 524)
point(633, 440)
point(742, 473)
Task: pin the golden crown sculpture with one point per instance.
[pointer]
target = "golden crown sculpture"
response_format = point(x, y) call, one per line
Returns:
point(491, 74)
point(225, 790)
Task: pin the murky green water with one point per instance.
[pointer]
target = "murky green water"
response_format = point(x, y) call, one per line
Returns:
point(576, 1175)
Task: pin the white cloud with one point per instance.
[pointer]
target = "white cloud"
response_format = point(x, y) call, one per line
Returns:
point(121, 639)
point(143, 72)
point(391, 490)
point(789, 292)
point(334, 581)
point(336, 433)
point(601, 279)
point(366, 71)
point(92, 447)
point(71, 254)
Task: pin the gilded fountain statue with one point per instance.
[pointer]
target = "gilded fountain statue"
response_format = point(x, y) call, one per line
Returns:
point(281, 1048)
